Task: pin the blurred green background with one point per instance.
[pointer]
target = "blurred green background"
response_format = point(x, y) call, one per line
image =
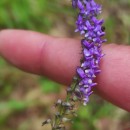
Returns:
point(25, 99)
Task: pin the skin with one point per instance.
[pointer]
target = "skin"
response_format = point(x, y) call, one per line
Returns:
point(57, 58)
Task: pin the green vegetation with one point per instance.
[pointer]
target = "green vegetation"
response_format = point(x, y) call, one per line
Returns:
point(25, 99)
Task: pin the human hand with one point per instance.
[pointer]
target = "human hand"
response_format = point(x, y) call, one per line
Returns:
point(57, 58)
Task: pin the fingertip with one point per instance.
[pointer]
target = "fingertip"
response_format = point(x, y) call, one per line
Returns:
point(22, 48)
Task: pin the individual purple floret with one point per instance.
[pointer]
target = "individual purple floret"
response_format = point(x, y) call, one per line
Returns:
point(92, 30)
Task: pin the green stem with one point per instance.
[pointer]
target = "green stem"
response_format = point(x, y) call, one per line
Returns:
point(61, 109)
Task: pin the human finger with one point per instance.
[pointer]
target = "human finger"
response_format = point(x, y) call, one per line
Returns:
point(58, 58)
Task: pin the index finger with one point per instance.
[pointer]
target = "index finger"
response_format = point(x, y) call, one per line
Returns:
point(58, 58)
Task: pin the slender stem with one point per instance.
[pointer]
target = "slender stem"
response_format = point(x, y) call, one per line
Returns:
point(62, 109)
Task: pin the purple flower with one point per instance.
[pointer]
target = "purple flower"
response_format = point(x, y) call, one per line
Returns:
point(91, 28)
point(80, 89)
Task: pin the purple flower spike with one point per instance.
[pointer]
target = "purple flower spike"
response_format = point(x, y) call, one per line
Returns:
point(93, 31)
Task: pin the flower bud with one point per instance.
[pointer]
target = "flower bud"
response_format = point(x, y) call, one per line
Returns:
point(64, 119)
point(46, 122)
